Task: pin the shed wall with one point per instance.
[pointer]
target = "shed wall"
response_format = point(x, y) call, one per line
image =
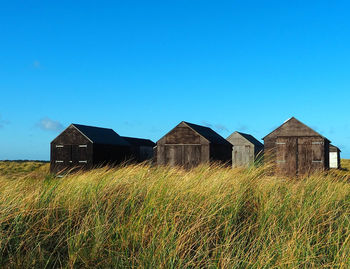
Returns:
point(297, 155)
point(221, 153)
point(70, 150)
point(243, 151)
point(182, 147)
point(110, 154)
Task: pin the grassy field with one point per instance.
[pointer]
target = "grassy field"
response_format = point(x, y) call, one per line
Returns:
point(156, 217)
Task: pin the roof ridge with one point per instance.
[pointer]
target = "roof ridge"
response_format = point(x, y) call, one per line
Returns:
point(90, 126)
point(285, 122)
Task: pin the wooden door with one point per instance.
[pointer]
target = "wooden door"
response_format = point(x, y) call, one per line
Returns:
point(247, 154)
point(173, 155)
point(286, 156)
point(183, 155)
point(79, 155)
point(310, 155)
point(333, 160)
point(191, 155)
point(304, 156)
point(62, 157)
point(238, 155)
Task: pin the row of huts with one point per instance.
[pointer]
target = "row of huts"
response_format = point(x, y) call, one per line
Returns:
point(293, 148)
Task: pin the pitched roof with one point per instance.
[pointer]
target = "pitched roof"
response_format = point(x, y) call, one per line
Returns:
point(300, 124)
point(251, 139)
point(332, 147)
point(209, 134)
point(139, 141)
point(100, 135)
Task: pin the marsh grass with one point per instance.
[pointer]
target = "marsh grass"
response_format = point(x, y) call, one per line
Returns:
point(159, 217)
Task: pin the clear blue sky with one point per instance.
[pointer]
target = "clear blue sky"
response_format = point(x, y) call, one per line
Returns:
point(141, 67)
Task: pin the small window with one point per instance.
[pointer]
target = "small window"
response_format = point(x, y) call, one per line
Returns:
point(59, 146)
point(82, 146)
point(58, 161)
point(82, 161)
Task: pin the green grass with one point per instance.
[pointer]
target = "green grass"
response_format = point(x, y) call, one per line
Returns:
point(158, 217)
point(14, 169)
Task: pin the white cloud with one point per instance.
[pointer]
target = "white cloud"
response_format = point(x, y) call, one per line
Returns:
point(218, 127)
point(243, 127)
point(50, 125)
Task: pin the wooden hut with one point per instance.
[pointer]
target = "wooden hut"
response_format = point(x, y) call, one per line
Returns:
point(141, 149)
point(246, 149)
point(189, 144)
point(334, 157)
point(81, 146)
point(296, 149)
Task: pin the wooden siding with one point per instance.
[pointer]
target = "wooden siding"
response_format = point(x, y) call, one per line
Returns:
point(141, 153)
point(182, 135)
point(110, 154)
point(295, 149)
point(70, 150)
point(292, 127)
point(298, 155)
point(221, 153)
point(145, 153)
point(182, 147)
point(243, 151)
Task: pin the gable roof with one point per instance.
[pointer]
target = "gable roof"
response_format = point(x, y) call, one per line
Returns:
point(208, 133)
point(251, 139)
point(298, 122)
point(101, 135)
point(139, 141)
point(334, 147)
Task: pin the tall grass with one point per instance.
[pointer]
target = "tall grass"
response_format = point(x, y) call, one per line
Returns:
point(159, 217)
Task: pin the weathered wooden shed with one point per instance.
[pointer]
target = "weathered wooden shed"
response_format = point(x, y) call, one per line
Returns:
point(141, 149)
point(334, 157)
point(80, 146)
point(190, 144)
point(296, 149)
point(246, 149)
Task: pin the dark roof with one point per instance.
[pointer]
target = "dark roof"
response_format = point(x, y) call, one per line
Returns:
point(100, 135)
point(139, 141)
point(302, 124)
point(252, 139)
point(209, 134)
point(334, 147)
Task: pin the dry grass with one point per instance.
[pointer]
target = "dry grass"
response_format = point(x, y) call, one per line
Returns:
point(158, 217)
point(15, 169)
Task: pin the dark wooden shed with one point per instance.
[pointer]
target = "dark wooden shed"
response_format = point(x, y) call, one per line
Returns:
point(190, 144)
point(141, 149)
point(246, 149)
point(80, 146)
point(296, 149)
point(334, 157)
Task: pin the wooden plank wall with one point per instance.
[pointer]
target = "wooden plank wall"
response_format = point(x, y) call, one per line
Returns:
point(66, 154)
point(299, 155)
point(182, 147)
